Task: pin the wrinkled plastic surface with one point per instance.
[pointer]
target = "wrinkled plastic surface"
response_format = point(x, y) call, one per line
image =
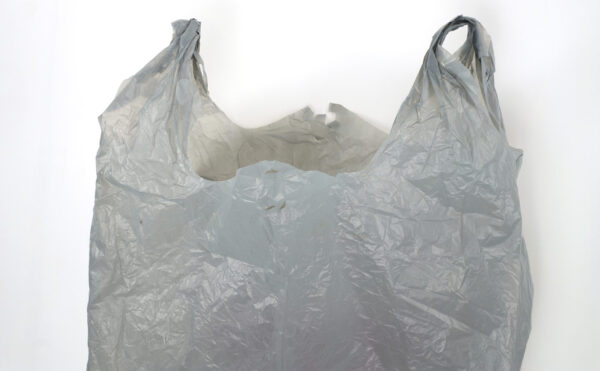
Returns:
point(306, 245)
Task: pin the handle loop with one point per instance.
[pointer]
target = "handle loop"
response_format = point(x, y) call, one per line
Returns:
point(199, 63)
point(477, 36)
point(476, 80)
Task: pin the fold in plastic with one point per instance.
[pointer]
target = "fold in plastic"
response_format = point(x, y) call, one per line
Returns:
point(306, 244)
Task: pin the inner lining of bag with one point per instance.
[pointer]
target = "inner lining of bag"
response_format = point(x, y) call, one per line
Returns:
point(333, 142)
point(217, 147)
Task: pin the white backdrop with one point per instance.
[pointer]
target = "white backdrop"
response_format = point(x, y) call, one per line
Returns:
point(62, 62)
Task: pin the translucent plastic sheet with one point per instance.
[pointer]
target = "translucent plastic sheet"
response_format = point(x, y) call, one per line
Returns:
point(306, 244)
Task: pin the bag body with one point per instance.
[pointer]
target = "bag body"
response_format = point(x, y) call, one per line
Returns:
point(305, 245)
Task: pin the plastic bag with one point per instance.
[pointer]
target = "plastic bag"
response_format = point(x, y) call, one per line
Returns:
point(307, 245)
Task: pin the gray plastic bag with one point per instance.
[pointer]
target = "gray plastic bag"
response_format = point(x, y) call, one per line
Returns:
point(307, 245)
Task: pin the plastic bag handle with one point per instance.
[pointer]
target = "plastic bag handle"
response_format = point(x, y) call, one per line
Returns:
point(186, 34)
point(483, 87)
point(198, 62)
point(477, 36)
point(451, 26)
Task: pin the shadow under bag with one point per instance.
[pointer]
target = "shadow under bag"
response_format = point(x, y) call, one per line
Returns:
point(305, 244)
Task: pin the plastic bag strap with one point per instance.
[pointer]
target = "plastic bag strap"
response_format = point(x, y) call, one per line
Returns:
point(477, 35)
point(199, 63)
point(186, 33)
point(479, 85)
